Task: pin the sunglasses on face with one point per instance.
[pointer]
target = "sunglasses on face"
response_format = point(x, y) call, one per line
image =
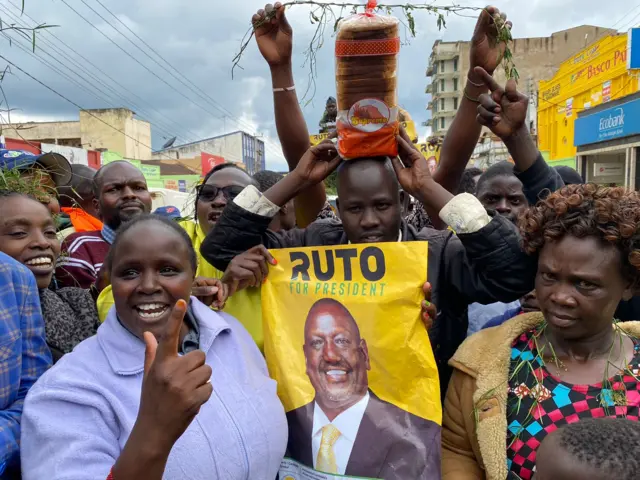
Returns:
point(208, 193)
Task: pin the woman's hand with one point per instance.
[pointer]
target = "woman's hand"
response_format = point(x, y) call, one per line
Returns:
point(274, 36)
point(249, 269)
point(174, 387)
point(429, 310)
point(210, 291)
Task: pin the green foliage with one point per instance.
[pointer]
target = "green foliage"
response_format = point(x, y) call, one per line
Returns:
point(14, 180)
point(331, 184)
point(327, 15)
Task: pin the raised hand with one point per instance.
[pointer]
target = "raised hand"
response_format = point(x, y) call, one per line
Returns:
point(486, 50)
point(274, 36)
point(317, 163)
point(210, 291)
point(249, 269)
point(174, 387)
point(411, 166)
point(503, 110)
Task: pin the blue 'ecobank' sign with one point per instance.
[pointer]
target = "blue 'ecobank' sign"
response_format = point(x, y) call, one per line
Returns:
point(615, 122)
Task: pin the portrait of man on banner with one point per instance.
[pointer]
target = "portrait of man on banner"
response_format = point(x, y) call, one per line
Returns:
point(345, 429)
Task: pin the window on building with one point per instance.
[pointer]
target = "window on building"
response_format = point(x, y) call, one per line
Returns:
point(455, 64)
point(455, 103)
point(442, 104)
point(434, 105)
point(455, 84)
point(442, 66)
point(442, 123)
point(442, 89)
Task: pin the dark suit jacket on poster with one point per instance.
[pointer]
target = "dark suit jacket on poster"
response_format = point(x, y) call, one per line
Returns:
point(391, 444)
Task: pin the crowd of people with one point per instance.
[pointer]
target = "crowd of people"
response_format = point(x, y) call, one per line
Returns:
point(132, 342)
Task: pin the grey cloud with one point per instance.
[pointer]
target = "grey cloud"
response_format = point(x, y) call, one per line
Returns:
point(200, 39)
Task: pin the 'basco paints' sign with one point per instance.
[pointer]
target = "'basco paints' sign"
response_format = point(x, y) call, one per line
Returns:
point(369, 115)
point(600, 67)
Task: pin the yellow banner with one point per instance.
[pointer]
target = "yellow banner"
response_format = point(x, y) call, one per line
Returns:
point(410, 128)
point(346, 344)
point(316, 139)
point(431, 153)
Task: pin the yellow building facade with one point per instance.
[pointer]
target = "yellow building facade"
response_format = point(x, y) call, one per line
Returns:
point(595, 75)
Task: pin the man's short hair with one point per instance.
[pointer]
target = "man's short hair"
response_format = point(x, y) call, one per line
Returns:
point(267, 179)
point(502, 169)
point(467, 183)
point(356, 162)
point(97, 179)
point(569, 175)
point(610, 445)
point(80, 187)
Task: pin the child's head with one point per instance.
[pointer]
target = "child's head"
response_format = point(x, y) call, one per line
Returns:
point(592, 449)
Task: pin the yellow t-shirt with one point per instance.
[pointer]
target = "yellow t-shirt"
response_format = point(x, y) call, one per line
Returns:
point(245, 305)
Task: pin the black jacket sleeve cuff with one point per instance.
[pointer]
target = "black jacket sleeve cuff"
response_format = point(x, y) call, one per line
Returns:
point(539, 180)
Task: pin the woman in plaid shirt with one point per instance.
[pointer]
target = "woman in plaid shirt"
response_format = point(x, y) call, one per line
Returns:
point(24, 355)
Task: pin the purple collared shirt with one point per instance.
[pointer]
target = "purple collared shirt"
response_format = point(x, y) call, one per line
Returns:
point(78, 416)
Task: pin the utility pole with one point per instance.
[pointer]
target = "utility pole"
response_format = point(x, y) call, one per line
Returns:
point(532, 112)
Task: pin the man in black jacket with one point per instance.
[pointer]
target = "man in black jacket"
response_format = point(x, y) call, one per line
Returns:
point(482, 263)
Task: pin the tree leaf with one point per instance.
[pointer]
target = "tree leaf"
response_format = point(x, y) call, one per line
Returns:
point(411, 21)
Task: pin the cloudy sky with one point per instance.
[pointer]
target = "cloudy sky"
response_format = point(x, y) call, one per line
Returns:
point(195, 97)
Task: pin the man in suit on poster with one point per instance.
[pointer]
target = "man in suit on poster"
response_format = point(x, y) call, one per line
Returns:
point(347, 429)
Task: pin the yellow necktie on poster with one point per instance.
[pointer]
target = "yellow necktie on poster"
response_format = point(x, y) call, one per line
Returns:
point(326, 456)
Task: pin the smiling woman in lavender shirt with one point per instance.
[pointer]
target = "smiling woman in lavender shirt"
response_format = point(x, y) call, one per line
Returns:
point(168, 388)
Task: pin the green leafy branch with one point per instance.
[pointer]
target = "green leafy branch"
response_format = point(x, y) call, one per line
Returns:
point(323, 14)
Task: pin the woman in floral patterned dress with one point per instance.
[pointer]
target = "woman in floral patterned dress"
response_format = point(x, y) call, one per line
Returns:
point(516, 383)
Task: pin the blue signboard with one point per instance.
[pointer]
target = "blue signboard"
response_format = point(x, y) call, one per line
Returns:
point(182, 185)
point(615, 122)
point(633, 49)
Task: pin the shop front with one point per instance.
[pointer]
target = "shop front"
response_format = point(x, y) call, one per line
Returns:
point(607, 138)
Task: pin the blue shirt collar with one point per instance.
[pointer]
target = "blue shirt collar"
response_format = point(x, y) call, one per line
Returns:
point(108, 234)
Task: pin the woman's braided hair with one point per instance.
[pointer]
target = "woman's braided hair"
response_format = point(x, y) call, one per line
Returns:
point(610, 213)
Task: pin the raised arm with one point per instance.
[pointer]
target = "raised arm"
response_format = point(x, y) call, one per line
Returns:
point(483, 262)
point(244, 222)
point(275, 41)
point(504, 111)
point(464, 132)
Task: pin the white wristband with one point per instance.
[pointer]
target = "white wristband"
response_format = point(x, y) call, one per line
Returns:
point(284, 89)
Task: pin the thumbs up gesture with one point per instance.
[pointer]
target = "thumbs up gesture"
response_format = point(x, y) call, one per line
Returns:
point(174, 387)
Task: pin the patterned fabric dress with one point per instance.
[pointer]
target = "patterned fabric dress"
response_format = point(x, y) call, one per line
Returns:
point(540, 403)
